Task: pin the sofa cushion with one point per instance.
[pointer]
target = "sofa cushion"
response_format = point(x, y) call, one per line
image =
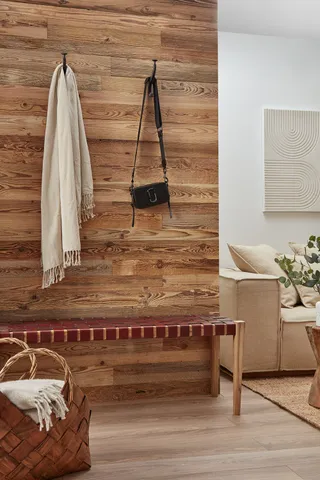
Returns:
point(260, 259)
point(298, 314)
point(300, 248)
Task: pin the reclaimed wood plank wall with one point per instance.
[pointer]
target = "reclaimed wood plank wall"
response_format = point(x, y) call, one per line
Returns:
point(127, 369)
point(163, 265)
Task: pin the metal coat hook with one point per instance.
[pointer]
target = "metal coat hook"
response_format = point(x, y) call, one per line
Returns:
point(154, 69)
point(64, 62)
point(152, 77)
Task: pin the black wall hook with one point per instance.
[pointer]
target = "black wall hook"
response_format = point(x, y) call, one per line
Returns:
point(154, 71)
point(64, 62)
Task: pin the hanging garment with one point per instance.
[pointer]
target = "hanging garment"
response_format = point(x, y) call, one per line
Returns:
point(67, 187)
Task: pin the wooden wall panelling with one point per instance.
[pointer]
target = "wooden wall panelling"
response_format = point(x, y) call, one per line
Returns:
point(163, 265)
point(196, 10)
point(122, 370)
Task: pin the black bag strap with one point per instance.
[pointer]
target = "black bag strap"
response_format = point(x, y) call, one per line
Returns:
point(152, 85)
point(139, 132)
point(158, 119)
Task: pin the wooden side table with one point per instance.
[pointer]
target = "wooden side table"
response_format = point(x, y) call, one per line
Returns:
point(314, 337)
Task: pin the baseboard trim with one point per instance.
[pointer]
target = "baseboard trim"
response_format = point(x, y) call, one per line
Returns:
point(276, 373)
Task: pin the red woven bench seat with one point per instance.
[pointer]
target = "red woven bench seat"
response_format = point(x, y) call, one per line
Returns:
point(91, 329)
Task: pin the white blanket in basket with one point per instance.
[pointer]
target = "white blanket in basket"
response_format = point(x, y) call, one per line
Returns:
point(37, 398)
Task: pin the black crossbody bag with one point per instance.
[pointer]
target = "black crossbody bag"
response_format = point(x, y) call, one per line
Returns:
point(153, 194)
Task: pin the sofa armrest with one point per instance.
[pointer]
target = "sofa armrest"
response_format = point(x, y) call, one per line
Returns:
point(255, 299)
point(237, 275)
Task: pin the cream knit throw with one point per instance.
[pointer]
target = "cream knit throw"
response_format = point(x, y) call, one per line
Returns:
point(67, 187)
point(37, 398)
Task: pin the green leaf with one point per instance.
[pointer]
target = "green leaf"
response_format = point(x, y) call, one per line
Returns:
point(310, 283)
point(283, 280)
point(313, 259)
point(312, 238)
point(277, 260)
point(316, 276)
point(288, 283)
point(310, 244)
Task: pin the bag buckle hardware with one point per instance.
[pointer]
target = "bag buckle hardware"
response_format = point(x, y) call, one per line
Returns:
point(152, 195)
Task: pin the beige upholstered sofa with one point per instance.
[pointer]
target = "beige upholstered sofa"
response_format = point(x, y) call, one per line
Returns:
point(275, 338)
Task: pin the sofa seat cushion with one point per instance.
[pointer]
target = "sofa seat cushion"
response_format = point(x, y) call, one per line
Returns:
point(296, 352)
point(298, 314)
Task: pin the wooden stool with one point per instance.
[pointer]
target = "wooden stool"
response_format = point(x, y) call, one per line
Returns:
point(314, 337)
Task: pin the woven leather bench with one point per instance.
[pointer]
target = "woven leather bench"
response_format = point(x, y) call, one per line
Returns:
point(93, 329)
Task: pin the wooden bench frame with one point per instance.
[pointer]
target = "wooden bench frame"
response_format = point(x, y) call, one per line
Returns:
point(82, 330)
point(238, 342)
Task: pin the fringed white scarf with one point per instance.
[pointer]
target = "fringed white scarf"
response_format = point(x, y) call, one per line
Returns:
point(37, 398)
point(67, 187)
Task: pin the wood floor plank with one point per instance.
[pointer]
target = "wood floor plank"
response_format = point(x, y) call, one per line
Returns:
point(180, 438)
point(308, 471)
point(274, 442)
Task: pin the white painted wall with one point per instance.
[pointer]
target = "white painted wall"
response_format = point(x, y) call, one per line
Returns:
point(284, 18)
point(257, 72)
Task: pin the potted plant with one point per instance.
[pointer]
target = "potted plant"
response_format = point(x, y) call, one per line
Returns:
point(305, 273)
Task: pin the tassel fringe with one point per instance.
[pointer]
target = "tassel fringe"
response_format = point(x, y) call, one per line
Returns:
point(47, 402)
point(53, 275)
point(72, 257)
point(56, 274)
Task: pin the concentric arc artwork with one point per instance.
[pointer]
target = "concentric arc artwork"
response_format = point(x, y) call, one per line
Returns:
point(292, 161)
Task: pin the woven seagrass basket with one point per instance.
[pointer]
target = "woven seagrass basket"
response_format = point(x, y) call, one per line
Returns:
point(28, 454)
point(23, 346)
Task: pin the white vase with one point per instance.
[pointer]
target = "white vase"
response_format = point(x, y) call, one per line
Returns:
point(318, 314)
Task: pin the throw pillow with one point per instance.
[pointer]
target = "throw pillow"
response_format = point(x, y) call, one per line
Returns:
point(260, 259)
point(299, 248)
point(309, 297)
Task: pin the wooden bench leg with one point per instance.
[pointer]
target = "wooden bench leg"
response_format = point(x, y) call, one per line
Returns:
point(215, 365)
point(238, 341)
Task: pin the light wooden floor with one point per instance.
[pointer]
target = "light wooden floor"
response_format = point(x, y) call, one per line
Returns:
point(199, 439)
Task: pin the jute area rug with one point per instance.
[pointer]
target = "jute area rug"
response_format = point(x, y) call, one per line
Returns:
point(290, 393)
